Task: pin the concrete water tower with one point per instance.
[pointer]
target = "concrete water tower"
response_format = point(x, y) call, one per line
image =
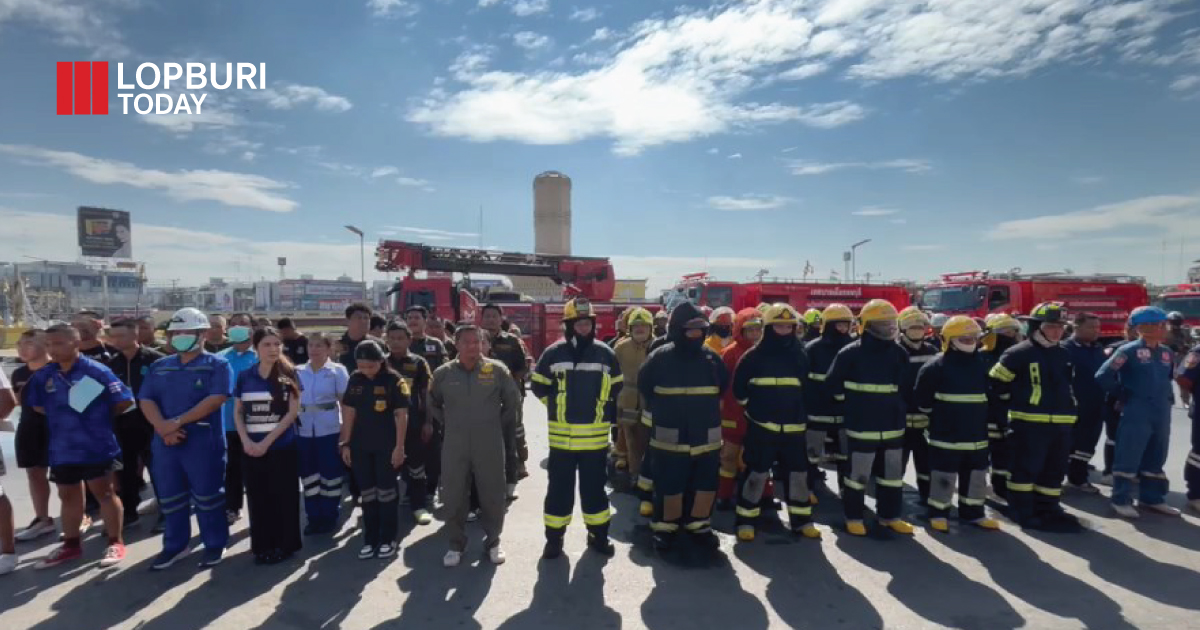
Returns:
point(552, 213)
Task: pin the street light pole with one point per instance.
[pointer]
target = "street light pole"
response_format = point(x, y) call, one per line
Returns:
point(854, 258)
point(362, 259)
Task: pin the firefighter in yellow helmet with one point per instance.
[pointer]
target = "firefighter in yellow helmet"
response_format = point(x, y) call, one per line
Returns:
point(867, 374)
point(631, 352)
point(953, 390)
point(1003, 332)
point(720, 329)
point(768, 383)
point(914, 327)
point(812, 324)
point(826, 434)
point(578, 379)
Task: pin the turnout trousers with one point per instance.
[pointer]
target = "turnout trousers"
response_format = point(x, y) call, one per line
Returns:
point(414, 471)
point(1084, 437)
point(189, 474)
point(879, 455)
point(379, 494)
point(562, 469)
point(998, 437)
point(826, 439)
point(916, 447)
point(321, 476)
point(685, 488)
point(1039, 453)
point(1191, 468)
point(964, 465)
point(764, 448)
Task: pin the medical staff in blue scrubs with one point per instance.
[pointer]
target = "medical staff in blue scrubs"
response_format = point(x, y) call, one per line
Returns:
point(182, 397)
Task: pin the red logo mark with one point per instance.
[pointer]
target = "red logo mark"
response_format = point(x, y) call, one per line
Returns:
point(82, 87)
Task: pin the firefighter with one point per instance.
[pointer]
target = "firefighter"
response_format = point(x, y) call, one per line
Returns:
point(1189, 375)
point(867, 374)
point(812, 324)
point(1003, 332)
point(1112, 409)
point(826, 435)
point(768, 383)
point(578, 379)
point(509, 350)
point(660, 324)
point(914, 325)
point(631, 353)
point(1141, 373)
point(953, 390)
point(747, 331)
point(1036, 375)
point(1087, 355)
point(681, 383)
point(1179, 340)
point(720, 330)
point(936, 321)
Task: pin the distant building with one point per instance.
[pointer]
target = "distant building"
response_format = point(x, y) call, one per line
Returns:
point(540, 289)
point(310, 295)
point(552, 213)
point(57, 289)
point(221, 296)
point(630, 289)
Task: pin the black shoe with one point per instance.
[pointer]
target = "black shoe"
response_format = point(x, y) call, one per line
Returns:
point(663, 541)
point(707, 540)
point(725, 505)
point(1060, 522)
point(602, 546)
point(553, 548)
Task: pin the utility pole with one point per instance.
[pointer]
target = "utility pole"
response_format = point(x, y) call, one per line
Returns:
point(854, 258)
point(362, 259)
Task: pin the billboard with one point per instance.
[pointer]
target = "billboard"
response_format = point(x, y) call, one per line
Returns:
point(104, 233)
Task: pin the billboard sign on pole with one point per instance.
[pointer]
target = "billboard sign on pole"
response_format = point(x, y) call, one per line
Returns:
point(104, 233)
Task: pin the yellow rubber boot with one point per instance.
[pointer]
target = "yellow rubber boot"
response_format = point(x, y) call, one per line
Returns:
point(856, 528)
point(745, 533)
point(900, 526)
point(987, 523)
point(810, 530)
point(939, 525)
point(646, 508)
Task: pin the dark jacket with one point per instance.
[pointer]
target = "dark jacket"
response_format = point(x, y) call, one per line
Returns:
point(132, 371)
point(1087, 359)
point(820, 404)
point(769, 383)
point(998, 399)
point(867, 375)
point(953, 390)
point(1038, 381)
point(681, 383)
point(923, 353)
point(579, 386)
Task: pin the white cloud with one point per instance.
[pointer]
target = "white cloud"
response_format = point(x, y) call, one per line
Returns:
point(1186, 83)
point(907, 165)
point(83, 24)
point(584, 15)
point(412, 181)
point(748, 203)
point(239, 190)
point(1087, 180)
point(804, 71)
point(1175, 214)
point(385, 171)
point(524, 8)
point(875, 211)
point(662, 272)
point(602, 34)
point(789, 149)
point(531, 41)
point(713, 151)
point(290, 95)
point(898, 221)
point(393, 8)
point(735, 156)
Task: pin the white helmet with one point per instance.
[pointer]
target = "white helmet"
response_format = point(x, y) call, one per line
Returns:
point(938, 320)
point(188, 319)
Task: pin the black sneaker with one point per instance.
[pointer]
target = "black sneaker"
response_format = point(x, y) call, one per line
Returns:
point(553, 548)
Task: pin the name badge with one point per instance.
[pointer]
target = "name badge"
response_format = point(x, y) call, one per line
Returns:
point(381, 406)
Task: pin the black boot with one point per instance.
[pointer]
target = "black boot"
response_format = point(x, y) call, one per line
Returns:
point(706, 539)
point(725, 505)
point(601, 545)
point(664, 541)
point(553, 548)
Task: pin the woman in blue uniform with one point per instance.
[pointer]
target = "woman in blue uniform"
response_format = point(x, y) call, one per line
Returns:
point(266, 404)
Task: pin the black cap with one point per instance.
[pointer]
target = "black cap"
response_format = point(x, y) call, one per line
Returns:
point(368, 350)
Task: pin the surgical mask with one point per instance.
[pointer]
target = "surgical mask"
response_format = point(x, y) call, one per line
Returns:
point(184, 343)
point(884, 330)
point(963, 345)
point(239, 334)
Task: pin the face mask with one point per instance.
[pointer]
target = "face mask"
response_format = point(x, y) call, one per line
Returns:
point(239, 334)
point(915, 334)
point(963, 346)
point(184, 343)
point(883, 330)
point(722, 331)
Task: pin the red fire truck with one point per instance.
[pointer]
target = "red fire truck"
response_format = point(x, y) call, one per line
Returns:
point(1184, 298)
point(977, 293)
point(540, 322)
point(701, 290)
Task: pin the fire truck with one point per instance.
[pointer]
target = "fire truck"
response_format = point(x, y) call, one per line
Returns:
point(978, 293)
point(1184, 298)
point(540, 322)
point(701, 290)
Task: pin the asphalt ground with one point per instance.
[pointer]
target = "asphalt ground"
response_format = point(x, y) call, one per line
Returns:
point(1119, 574)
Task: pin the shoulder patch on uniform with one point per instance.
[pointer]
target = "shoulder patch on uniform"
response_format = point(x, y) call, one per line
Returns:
point(1143, 354)
point(1119, 360)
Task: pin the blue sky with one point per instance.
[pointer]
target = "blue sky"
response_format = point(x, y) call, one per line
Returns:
point(729, 137)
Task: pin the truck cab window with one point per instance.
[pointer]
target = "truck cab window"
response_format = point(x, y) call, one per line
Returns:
point(997, 298)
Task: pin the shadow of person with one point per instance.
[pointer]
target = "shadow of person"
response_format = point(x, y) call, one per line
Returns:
point(559, 602)
point(1016, 568)
point(803, 588)
point(104, 600)
point(702, 588)
point(930, 587)
point(1178, 532)
point(438, 597)
point(1114, 561)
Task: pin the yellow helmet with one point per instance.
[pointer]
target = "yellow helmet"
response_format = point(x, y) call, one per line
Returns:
point(876, 311)
point(639, 316)
point(959, 326)
point(912, 316)
point(812, 316)
point(1000, 321)
point(836, 313)
point(780, 313)
point(577, 308)
point(762, 307)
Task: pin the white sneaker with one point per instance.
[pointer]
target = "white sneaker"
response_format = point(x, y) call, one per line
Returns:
point(512, 492)
point(496, 555)
point(149, 506)
point(472, 516)
point(452, 559)
point(1125, 511)
point(423, 517)
point(8, 563)
point(36, 529)
point(1160, 508)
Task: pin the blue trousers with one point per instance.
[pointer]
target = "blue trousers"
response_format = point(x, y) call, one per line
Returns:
point(1142, 438)
point(321, 474)
point(191, 474)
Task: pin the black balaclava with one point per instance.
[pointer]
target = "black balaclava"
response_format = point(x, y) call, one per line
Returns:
point(831, 332)
point(774, 343)
point(676, 333)
point(577, 341)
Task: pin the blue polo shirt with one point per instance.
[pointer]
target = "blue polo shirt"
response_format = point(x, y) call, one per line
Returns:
point(239, 362)
point(264, 406)
point(177, 387)
point(78, 438)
